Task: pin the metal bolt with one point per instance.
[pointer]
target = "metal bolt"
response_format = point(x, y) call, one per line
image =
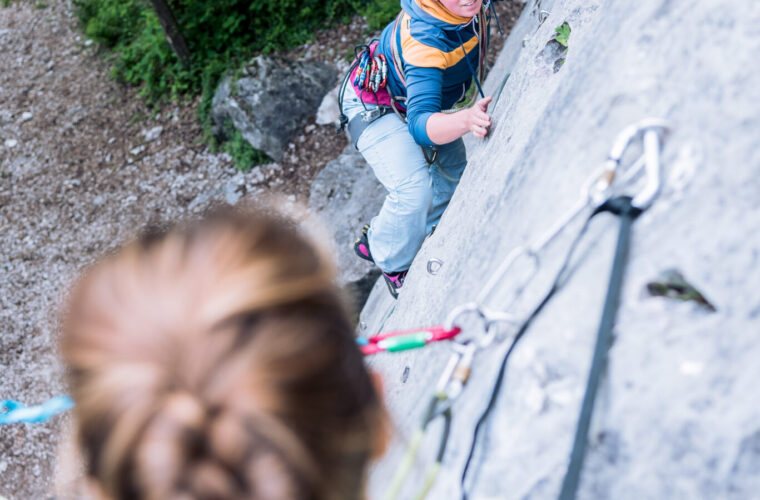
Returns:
point(363, 325)
point(434, 265)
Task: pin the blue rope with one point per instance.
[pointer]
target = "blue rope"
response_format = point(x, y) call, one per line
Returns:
point(13, 412)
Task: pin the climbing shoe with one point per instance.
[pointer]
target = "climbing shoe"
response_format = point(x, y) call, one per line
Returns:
point(361, 246)
point(361, 249)
point(394, 281)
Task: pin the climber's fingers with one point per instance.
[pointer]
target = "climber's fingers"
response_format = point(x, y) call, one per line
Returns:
point(480, 132)
point(483, 103)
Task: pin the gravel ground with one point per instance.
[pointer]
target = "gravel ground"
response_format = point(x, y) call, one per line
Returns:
point(83, 165)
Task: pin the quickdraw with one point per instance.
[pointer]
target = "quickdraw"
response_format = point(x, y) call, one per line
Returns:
point(449, 387)
point(407, 339)
point(602, 200)
point(628, 210)
point(598, 196)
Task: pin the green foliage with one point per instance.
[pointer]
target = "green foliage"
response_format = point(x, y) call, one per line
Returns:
point(220, 35)
point(110, 22)
point(243, 154)
point(380, 12)
point(563, 34)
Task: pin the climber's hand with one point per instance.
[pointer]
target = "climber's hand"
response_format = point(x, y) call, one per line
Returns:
point(442, 128)
point(478, 120)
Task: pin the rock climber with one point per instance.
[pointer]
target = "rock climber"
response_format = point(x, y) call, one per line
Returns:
point(393, 101)
point(215, 359)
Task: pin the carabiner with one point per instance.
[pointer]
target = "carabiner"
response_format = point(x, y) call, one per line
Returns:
point(644, 199)
point(487, 316)
point(598, 188)
point(651, 130)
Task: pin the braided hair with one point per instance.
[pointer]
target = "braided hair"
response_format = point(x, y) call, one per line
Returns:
point(214, 360)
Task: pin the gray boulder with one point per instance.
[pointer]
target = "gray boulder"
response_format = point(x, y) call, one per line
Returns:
point(675, 417)
point(270, 101)
point(345, 195)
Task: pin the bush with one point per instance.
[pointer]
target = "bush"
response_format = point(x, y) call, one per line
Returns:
point(381, 12)
point(220, 34)
point(243, 154)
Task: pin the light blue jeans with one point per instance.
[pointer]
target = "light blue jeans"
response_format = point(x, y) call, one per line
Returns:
point(417, 193)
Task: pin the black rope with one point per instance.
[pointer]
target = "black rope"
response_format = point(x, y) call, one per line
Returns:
point(556, 285)
point(623, 208)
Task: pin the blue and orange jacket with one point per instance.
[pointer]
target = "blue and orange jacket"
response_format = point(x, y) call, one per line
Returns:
point(430, 41)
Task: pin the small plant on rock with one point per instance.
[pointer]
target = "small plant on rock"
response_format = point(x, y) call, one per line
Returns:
point(562, 34)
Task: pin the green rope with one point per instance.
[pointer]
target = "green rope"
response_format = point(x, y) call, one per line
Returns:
point(405, 466)
point(430, 479)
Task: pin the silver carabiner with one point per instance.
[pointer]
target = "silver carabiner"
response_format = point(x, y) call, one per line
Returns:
point(644, 199)
point(488, 317)
point(651, 130)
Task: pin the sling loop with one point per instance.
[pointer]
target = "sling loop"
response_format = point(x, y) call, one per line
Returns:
point(627, 209)
point(652, 131)
point(407, 339)
point(623, 208)
point(559, 279)
point(597, 193)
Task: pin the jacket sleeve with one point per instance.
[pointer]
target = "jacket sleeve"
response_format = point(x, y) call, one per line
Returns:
point(424, 98)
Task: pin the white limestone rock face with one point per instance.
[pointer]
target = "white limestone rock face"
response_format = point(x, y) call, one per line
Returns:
point(676, 415)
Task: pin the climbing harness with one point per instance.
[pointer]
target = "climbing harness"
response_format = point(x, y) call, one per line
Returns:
point(13, 412)
point(599, 194)
point(370, 75)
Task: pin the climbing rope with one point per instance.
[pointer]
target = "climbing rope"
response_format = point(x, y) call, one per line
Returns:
point(449, 387)
point(652, 131)
point(13, 412)
point(597, 195)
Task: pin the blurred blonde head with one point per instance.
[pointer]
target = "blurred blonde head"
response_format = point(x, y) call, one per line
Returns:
point(215, 361)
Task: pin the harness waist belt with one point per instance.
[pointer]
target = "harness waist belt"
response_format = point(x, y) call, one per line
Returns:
point(358, 123)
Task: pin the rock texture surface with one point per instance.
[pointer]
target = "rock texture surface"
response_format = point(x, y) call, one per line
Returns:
point(345, 196)
point(270, 100)
point(675, 416)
